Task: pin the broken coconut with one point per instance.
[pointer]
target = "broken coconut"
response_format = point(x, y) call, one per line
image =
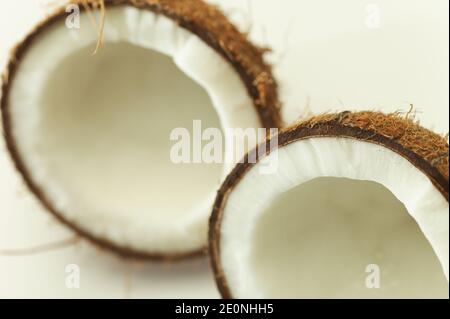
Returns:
point(91, 133)
point(358, 207)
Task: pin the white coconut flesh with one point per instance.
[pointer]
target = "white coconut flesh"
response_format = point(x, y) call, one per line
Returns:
point(94, 130)
point(340, 219)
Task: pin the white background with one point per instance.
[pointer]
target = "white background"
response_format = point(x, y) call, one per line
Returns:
point(328, 55)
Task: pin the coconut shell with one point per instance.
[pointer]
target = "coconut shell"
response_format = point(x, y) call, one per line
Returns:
point(205, 21)
point(426, 150)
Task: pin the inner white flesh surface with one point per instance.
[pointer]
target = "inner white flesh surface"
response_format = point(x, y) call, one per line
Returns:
point(337, 213)
point(94, 130)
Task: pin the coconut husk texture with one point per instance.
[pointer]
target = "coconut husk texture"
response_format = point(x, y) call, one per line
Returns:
point(196, 16)
point(426, 150)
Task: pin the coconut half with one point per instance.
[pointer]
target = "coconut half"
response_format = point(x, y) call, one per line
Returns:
point(357, 208)
point(91, 133)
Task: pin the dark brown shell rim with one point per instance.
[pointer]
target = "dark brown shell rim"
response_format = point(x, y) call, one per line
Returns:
point(426, 150)
point(201, 19)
